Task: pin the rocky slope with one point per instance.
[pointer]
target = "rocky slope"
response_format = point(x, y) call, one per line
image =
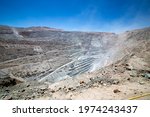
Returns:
point(54, 63)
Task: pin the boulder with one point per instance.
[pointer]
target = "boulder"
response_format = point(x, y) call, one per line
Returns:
point(147, 75)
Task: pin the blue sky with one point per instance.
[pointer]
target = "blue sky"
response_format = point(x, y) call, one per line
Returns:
point(84, 15)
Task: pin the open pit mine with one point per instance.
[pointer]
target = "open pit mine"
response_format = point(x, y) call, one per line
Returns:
point(48, 63)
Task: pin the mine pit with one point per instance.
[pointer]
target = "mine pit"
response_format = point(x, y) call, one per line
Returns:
point(56, 64)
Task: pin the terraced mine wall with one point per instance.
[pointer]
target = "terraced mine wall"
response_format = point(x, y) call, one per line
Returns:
point(50, 55)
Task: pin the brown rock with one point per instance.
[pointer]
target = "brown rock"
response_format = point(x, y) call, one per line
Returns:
point(23, 90)
point(116, 91)
point(82, 82)
point(53, 91)
point(128, 79)
point(70, 88)
point(115, 82)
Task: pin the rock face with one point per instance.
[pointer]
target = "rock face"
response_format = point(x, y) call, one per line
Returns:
point(9, 79)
